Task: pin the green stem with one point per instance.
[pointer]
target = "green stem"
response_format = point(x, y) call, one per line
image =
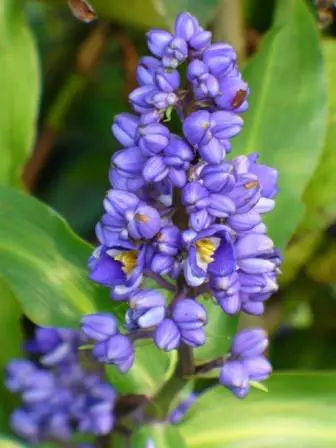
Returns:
point(168, 393)
point(229, 26)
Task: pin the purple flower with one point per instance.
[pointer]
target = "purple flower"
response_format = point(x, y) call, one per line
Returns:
point(129, 161)
point(180, 411)
point(61, 401)
point(188, 29)
point(211, 132)
point(99, 326)
point(169, 240)
point(145, 223)
point(155, 169)
point(173, 165)
point(147, 309)
point(220, 58)
point(195, 197)
point(26, 425)
point(186, 325)
point(153, 138)
point(121, 180)
point(200, 42)
point(146, 70)
point(218, 178)
point(226, 290)
point(118, 267)
point(210, 255)
point(267, 176)
point(235, 377)
point(253, 252)
point(177, 158)
point(165, 264)
point(126, 216)
point(39, 386)
point(179, 208)
point(189, 315)
point(233, 93)
point(186, 26)
point(175, 53)
point(246, 362)
point(157, 41)
point(256, 185)
point(56, 345)
point(124, 128)
point(17, 372)
point(116, 350)
point(167, 335)
point(249, 343)
point(167, 80)
point(259, 368)
point(204, 83)
point(141, 99)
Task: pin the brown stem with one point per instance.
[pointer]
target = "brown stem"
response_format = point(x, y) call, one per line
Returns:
point(130, 60)
point(185, 366)
point(207, 367)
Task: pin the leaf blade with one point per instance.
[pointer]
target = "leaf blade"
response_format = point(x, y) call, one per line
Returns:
point(19, 79)
point(45, 263)
point(287, 71)
point(298, 409)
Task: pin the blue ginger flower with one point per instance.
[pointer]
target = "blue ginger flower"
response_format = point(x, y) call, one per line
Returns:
point(180, 211)
point(59, 397)
point(246, 362)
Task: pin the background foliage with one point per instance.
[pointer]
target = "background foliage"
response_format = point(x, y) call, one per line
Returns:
point(63, 81)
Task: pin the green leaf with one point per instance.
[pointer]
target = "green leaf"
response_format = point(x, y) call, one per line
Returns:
point(319, 197)
point(298, 252)
point(144, 13)
point(219, 332)
point(11, 335)
point(298, 411)
point(204, 10)
point(287, 116)
point(157, 13)
point(11, 443)
point(162, 435)
point(322, 267)
point(151, 369)
point(19, 93)
point(45, 263)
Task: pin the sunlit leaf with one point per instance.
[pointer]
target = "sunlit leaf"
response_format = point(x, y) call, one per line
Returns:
point(151, 368)
point(162, 435)
point(298, 411)
point(219, 331)
point(45, 263)
point(19, 93)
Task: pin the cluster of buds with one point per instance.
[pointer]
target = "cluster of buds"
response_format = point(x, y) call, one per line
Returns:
point(180, 211)
point(59, 397)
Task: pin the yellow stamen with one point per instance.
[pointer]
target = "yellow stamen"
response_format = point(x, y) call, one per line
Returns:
point(141, 218)
point(128, 260)
point(205, 249)
point(251, 184)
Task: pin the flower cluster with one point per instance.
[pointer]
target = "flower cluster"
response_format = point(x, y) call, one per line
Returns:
point(246, 362)
point(179, 210)
point(59, 396)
